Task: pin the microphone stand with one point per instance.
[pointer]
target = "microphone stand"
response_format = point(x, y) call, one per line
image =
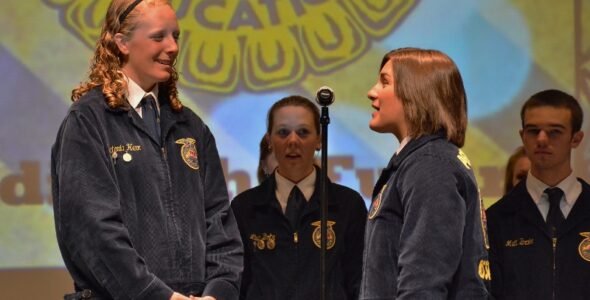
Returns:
point(324, 121)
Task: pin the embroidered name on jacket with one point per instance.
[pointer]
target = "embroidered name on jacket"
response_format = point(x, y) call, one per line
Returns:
point(519, 242)
point(125, 149)
point(129, 147)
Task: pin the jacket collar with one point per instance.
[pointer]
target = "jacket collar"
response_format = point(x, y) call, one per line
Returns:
point(269, 186)
point(520, 202)
point(580, 211)
point(397, 159)
point(135, 93)
point(168, 119)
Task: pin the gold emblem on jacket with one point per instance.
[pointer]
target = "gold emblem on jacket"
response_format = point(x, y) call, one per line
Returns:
point(188, 151)
point(263, 241)
point(376, 205)
point(584, 247)
point(484, 270)
point(316, 236)
point(464, 159)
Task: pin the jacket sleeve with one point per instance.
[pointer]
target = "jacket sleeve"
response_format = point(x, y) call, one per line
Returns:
point(495, 255)
point(239, 211)
point(224, 258)
point(88, 214)
point(430, 244)
point(352, 258)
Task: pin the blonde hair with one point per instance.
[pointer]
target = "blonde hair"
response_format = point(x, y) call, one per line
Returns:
point(107, 62)
point(517, 155)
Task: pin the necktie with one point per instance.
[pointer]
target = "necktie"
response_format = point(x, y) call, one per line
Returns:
point(149, 114)
point(554, 217)
point(295, 205)
point(384, 177)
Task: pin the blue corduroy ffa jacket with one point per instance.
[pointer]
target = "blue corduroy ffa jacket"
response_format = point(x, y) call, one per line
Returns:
point(424, 237)
point(526, 262)
point(282, 261)
point(139, 217)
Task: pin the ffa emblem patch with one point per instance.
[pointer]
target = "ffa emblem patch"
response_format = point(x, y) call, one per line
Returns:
point(188, 151)
point(376, 205)
point(316, 236)
point(264, 241)
point(584, 247)
point(464, 159)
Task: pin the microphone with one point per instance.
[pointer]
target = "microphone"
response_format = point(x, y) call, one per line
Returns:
point(325, 96)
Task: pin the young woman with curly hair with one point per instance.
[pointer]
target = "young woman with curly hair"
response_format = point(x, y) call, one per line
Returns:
point(140, 201)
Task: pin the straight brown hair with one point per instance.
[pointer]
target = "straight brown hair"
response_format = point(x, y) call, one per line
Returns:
point(294, 100)
point(432, 93)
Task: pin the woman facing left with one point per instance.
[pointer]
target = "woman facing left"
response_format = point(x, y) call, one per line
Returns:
point(140, 201)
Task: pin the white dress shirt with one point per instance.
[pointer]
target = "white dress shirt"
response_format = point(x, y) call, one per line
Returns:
point(284, 187)
point(570, 186)
point(135, 94)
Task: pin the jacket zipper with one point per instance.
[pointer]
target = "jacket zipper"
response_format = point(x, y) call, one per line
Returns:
point(296, 241)
point(164, 156)
point(170, 205)
point(554, 245)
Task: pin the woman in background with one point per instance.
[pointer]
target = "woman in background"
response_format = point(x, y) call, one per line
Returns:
point(267, 162)
point(517, 168)
point(279, 220)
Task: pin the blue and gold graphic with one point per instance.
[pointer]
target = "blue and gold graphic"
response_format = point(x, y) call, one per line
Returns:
point(237, 57)
point(258, 45)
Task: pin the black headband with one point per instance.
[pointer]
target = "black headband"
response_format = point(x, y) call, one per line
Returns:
point(127, 11)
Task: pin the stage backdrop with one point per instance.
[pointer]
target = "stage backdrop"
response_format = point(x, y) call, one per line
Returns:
point(238, 57)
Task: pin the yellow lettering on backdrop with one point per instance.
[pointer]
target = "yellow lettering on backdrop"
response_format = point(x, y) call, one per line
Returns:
point(258, 45)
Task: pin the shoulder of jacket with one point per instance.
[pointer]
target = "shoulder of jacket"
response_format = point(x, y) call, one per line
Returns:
point(247, 197)
point(350, 193)
point(189, 114)
point(506, 205)
point(433, 156)
point(93, 100)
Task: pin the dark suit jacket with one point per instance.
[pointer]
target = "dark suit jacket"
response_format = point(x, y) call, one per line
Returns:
point(137, 217)
point(525, 263)
point(282, 262)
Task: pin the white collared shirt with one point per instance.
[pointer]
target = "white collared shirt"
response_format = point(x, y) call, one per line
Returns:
point(284, 187)
point(570, 186)
point(402, 144)
point(135, 93)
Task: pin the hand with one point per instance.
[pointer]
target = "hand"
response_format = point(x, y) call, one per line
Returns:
point(177, 296)
point(202, 298)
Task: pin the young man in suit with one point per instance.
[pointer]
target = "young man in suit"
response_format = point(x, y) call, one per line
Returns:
point(540, 232)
